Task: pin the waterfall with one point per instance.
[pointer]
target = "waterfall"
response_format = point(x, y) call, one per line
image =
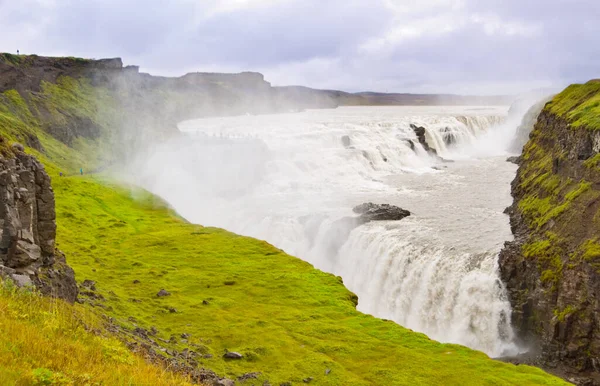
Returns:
point(289, 178)
point(452, 295)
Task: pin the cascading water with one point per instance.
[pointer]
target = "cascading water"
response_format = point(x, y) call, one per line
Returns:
point(289, 178)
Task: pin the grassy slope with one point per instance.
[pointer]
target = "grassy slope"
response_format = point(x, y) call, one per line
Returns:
point(288, 319)
point(44, 341)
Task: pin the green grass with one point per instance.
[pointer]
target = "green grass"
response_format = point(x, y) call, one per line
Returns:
point(49, 342)
point(580, 104)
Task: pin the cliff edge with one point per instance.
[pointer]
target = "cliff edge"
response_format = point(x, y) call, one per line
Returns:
point(551, 269)
point(28, 228)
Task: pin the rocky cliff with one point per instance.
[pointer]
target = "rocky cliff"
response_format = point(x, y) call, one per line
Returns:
point(552, 268)
point(28, 228)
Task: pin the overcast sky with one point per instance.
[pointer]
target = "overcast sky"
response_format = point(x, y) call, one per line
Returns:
point(459, 46)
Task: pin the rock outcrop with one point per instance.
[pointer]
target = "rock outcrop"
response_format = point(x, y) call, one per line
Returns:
point(552, 268)
point(28, 228)
point(379, 212)
point(420, 133)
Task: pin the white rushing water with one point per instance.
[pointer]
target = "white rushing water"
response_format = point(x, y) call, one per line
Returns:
point(288, 178)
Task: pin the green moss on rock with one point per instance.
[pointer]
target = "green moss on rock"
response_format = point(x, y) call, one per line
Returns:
point(580, 104)
point(14, 60)
point(551, 269)
point(562, 315)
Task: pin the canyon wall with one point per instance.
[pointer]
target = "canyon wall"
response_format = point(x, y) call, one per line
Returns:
point(552, 268)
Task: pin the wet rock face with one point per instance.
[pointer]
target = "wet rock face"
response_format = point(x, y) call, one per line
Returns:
point(555, 293)
point(420, 133)
point(28, 227)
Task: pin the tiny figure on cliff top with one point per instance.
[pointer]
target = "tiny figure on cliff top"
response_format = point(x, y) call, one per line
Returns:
point(60, 174)
point(18, 52)
point(81, 171)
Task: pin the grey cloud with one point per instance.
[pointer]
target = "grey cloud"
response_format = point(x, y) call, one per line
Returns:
point(463, 46)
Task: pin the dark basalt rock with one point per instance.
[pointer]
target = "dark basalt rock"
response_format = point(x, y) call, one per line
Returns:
point(514, 159)
point(89, 284)
point(379, 212)
point(420, 133)
point(163, 293)
point(559, 317)
point(28, 227)
point(232, 355)
point(247, 376)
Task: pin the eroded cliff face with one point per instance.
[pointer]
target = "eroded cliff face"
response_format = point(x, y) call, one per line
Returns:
point(28, 228)
point(551, 269)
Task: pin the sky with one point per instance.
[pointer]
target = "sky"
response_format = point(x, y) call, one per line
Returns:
point(423, 46)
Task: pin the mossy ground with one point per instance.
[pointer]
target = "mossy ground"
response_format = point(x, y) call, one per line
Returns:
point(580, 103)
point(289, 320)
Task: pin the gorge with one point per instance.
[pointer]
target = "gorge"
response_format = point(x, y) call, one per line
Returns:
point(290, 178)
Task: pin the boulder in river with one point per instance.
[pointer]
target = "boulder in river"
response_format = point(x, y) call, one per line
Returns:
point(420, 133)
point(379, 212)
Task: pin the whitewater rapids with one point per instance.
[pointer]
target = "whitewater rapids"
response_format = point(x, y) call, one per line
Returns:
point(288, 178)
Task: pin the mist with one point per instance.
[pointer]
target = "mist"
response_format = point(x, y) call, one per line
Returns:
point(291, 179)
